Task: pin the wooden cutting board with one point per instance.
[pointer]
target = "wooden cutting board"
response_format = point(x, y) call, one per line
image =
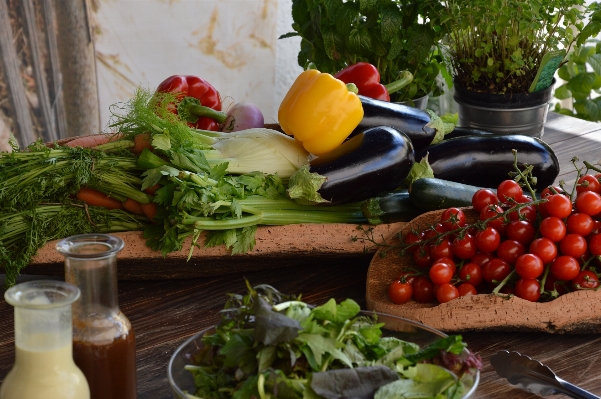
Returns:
point(575, 312)
point(276, 247)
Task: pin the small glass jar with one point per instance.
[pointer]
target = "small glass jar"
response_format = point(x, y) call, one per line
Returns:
point(103, 338)
point(44, 367)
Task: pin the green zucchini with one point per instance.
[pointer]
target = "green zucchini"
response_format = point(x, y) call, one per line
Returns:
point(430, 194)
point(390, 208)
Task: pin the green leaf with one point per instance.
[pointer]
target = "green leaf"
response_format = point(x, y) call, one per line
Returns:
point(337, 312)
point(419, 170)
point(430, 381)
point(368, 6)
point(594, 61)
point(581, 83)
point(420, 39)
point(303, 186)
point(562, 92)
point(360, 382)
point(238, 352)
point(320, 346)
point(391, 22)
point(271, 327)
point(161, 142)
point(359, 41)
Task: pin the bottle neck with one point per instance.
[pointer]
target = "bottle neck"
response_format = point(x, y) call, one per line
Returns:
point(97, 280)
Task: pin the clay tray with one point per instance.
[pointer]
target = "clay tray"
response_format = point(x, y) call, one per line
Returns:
point(569, 314)
point(276, 247)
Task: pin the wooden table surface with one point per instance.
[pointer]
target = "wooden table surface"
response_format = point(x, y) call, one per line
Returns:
point(164, 313)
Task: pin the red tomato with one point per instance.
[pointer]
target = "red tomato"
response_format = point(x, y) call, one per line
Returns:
point(594, 245)
point(464, 247)
point(422, 257)
point(529, 266)
point(452, 218)
point(509, 189)
point(466, 289)
point(586, 279)
point(521, 231)
point(399, 292)
point(488, 240)
point(580, 223)
point(448, 261)
point(441, 249)
point(573, 245)
point(484, 197)
point(588, 202)
point(480, 258)
point(565, 267)
point(413, 237)
point(446, 292)
point(527, 213)
point(495, 270)
point(423, 290)
point(510, 250)
point(553, 228)
point(471, 273)
point(440, 273)
point(528, 289)
point(588, 183)
point(544, 248)
point(553, 284)
point(560, 206)
point(490, 212)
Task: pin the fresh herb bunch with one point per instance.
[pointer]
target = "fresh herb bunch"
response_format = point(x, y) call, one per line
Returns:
point(268, 345)
point(582, 73)
point(497, 46)
point(392, 35)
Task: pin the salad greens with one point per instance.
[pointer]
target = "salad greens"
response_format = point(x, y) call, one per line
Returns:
point(270, 345)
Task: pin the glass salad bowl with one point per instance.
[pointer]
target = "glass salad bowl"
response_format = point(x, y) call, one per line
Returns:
point(181, 380)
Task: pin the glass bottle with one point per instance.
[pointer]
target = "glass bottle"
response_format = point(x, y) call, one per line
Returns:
point(44, 367)
point(103, 338)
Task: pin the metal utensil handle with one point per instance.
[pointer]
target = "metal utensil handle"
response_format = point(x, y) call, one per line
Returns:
point(576, 392)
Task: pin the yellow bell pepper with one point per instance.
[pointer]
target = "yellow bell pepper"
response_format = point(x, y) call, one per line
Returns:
point(319, 111)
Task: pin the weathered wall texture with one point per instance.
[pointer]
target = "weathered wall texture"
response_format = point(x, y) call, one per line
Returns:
point(230, 43)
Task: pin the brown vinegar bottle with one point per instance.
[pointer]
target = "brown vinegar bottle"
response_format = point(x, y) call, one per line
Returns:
point(104, 345)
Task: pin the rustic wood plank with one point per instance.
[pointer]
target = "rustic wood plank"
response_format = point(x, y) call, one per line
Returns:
point(16, 89)
point(559, 128)
point(49, 132)
point(57, 101)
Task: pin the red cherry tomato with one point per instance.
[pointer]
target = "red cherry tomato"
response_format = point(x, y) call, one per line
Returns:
point(580, 223)
point(553, 228)
point(528, 289)
point(521, 231)
point(573, 245)
point(464, 247)
point(484, 197)
point(413, 237)
point(509, 189)
point(529, 266)
point(448, 261)
point(490, 212)
point(480, 258)
point(588, 202)
point(488, 240)
point(560, 206)
point(440, 273)
point(471, 273)
point(586, 279)
point(406, 277)
point(510, 250)
point(588, 183)
point(441, 249)
point(423, 290)
point(422, 257)
point(594, 245)
point(495, 270)
point(452, 218)
point(527, 213)
point(466, 289)
point(565, 267)
point(446, 292)
point(399, 292)
point(544, 248)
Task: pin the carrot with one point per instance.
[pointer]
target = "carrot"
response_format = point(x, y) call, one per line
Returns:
point(93, 140)
point(141, 141)
point(151, 190)
point(133, 206)
point(150, 210)
point(97, 198)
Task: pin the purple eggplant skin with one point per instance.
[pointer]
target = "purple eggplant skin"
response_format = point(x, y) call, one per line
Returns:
point(373, 161)
point(409, 120)
point(486, 161)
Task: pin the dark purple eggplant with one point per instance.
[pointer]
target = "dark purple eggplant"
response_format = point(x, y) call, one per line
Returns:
point(486, 161)
point(460, 131)
point(409, 120)
point(374, 161)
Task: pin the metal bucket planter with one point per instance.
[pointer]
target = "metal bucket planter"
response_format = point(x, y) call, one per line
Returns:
point(419, 103)
point(504, 114)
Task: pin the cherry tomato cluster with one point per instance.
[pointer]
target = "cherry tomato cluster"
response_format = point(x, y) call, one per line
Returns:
point(534, 249)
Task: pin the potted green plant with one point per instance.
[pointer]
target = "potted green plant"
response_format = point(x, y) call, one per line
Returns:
point(392, 35)
point(502, 56)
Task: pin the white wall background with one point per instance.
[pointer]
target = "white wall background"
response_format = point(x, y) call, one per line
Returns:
point(233, 44)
